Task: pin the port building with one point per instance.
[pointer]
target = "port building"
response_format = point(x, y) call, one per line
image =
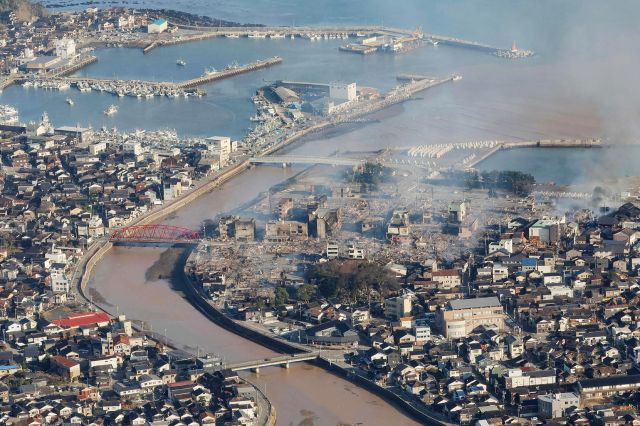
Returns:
point(158, 26)
point(342, 91)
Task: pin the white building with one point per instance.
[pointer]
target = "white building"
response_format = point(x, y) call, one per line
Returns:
point(546, 230)
point(398, 307)
point(131, 147)
point(355, 252)
point(333, 250)
point(59, 282)
point(65, 48)
point(342, 91)
point(157, 26)
point(220, 146)
point(518, 378)
point(555, 405)
point(499, 272)
point(505, 244)
point(422, 332)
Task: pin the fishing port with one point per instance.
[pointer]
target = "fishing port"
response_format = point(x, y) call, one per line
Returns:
point(145, 89)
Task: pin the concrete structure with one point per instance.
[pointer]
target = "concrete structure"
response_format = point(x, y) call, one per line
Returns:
point(504, 244)
point(132, 147)
point(82, 134)
point(284, 205)
point(245, 229)
point(59, 282)
point(65, 48)
point(158, 26)
point(555, 405)
point(42, 63)
point(462, 316)
point(342, 91)
point(546, 230)
point(333, 250)
point(285, 230)
point(604, 386)
point(399, 225)
point(457, 211)
point(448, 278)
point(220, 145)
point(355, 252)
point(516, 378)
point(398, 307)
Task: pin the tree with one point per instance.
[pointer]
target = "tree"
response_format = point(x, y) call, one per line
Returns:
point(306, 292)
point(281, 296)
point(351, 281)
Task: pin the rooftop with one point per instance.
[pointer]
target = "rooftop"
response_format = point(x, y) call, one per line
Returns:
point(80, 320)
point(480, 302)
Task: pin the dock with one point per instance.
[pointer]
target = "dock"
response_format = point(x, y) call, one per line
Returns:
point(142, 87)
point(412, 77)
point(230, 72)
point(7, 81)
point(149, 47)
point(512, 53)
point(73, 67)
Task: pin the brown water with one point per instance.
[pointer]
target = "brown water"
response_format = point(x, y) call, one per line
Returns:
point(491, 102)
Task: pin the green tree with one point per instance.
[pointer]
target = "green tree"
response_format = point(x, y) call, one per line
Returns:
point(281, 296)
point(306, 292)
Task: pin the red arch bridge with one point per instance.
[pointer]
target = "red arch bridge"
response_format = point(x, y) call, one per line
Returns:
point(154, 234)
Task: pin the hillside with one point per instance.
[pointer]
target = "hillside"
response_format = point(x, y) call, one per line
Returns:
point(24, 9)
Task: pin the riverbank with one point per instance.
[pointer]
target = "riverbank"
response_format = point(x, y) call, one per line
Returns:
point(188, 287)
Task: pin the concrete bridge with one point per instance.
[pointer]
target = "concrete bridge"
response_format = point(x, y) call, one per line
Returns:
point(298, 159)
point(283, 361)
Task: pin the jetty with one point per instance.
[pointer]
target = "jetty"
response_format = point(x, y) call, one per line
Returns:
point(73, 66)
point(229, 72)
point(139, 88)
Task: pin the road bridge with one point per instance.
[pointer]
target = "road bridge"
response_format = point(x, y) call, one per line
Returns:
point(155, 233)
point(284, 361)
point(299, 159)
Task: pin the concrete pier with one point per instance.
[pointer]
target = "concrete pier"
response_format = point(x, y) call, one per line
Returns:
point(231, 72)
point(73, 67)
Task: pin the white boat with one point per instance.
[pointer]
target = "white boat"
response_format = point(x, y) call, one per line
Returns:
point(257, 35)
point(70, 101)
point(277, 36)
point(112, 110)
point(292, 36)
point(209, 71)
point(8, 115)
point(232, 36)
point(181, 62)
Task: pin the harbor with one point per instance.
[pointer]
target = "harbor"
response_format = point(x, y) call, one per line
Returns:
point(141, 88)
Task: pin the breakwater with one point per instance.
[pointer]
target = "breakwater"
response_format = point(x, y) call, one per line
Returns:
point(230, 72)
point(545, 143)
